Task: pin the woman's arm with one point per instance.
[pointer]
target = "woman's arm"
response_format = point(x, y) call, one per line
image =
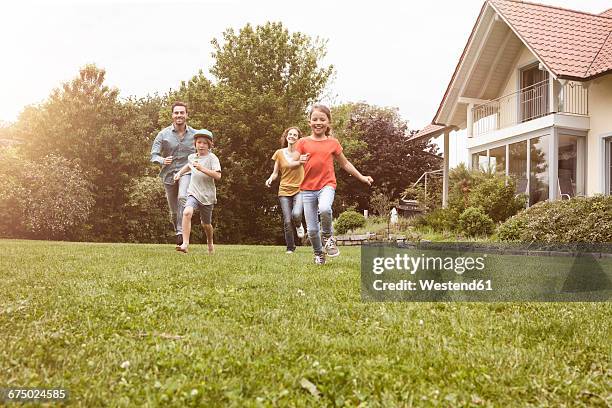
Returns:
point(350, 169)
point(297, 159)
point(274, 174)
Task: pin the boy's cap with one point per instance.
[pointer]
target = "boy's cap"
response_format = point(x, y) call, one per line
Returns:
point(203, 133)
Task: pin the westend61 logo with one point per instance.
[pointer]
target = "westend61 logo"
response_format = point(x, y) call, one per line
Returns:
point(485, 272)
point(412, 264)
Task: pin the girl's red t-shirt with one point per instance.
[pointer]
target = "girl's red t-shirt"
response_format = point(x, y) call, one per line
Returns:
point(319, 169)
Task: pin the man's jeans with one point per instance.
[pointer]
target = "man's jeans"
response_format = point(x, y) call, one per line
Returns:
point(292, 217)
point(176, 194)
point(318, 203)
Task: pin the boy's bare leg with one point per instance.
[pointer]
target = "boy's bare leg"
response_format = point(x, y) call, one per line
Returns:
point(187, 214)
point(208, 230)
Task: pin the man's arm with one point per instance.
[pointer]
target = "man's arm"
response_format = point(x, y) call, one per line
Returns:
point(156, 156)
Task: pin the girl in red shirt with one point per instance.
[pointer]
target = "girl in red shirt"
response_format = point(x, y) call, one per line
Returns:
point(317, 153)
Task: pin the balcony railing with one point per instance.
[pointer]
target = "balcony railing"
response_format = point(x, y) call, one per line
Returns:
point(529, 103)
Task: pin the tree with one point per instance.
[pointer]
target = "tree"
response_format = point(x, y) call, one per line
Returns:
point(47, 198)
point(85, 122)
point(265, 79)
point(376, 141)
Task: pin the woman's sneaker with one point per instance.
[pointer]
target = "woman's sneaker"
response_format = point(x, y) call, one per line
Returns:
point(330, 247)
point(319, 259)
point(300, 231)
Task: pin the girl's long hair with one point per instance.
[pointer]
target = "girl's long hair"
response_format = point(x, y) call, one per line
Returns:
point(283, 138)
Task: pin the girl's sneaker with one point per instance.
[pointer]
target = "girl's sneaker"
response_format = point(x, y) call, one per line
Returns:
point(329, 246)
point(319, 259)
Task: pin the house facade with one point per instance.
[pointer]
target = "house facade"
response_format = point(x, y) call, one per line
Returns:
point(533, 91)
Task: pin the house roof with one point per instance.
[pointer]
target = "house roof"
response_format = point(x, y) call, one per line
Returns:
point(571, 44)
point(430, 131)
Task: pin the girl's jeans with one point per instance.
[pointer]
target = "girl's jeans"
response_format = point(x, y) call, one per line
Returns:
point(318, 203)
point(292, 216)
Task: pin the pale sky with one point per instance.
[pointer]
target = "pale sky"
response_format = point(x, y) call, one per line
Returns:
point(387, 53)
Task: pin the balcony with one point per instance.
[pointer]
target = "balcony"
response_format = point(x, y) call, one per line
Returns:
point(529, 103)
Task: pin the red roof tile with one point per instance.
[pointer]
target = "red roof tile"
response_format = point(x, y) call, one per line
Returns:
point(572, 44)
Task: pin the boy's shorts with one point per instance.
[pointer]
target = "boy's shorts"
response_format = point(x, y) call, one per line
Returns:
point(205, 210)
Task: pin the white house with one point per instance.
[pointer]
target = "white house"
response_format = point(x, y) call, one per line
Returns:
point(533, 90)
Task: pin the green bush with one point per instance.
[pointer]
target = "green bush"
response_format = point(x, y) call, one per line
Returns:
point(443, 219)
point(497, 197)
point(579, 219)
point(475, 222)
point(47, 199)
point(349, 220)
point(148, 218)
point(493, 193)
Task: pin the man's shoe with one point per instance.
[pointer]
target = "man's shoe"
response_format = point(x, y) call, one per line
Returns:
point(290, 251)
point(179, 240)
point(330, 247)
point(319, 259)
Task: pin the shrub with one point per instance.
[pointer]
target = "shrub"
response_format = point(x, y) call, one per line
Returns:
point(475, 222)
point(497, 197)
point(443, 219)
point(148, 219)
point(47, 198)
point(349, 220)
point(381, 204)
point(579, 219)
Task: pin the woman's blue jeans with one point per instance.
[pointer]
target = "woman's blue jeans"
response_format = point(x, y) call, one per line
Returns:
point(318, 203)
point(292, 217)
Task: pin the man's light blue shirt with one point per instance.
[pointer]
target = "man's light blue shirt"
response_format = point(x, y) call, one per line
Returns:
point(167, 143)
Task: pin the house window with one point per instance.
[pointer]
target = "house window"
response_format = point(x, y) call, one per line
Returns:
point(480, 161)
point(568, 166)
point(518, 165)
point(538, 169)
point(497, 159)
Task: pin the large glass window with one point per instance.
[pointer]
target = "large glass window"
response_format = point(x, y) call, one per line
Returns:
point(568, 165)
point(497, 159)
point(538, 169)
point(518, 165)
point(480, 161)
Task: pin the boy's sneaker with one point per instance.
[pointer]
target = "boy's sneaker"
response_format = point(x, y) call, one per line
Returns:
point(319, 259)
point(290, 251)
point(300, 231)
point(329, 246)
point(179, 241)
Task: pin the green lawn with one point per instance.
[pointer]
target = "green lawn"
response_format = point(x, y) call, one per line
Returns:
point(123, 325)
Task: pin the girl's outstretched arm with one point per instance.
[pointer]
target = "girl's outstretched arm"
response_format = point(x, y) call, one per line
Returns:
point(274, 174)
point(350, 169)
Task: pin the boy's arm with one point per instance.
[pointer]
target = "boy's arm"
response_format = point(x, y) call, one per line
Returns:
point(215, 174)
point(350, 169)
point(182, 171)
